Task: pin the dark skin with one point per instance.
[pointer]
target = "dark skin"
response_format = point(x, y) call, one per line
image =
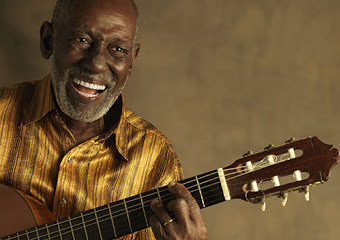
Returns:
point(95, 37)
point(101, 32)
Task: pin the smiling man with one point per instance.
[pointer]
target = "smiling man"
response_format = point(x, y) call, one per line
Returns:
point(68, 140)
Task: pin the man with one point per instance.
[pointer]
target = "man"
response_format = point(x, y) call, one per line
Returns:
point(68, 140)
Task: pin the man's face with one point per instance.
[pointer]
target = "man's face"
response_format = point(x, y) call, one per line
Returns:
point(92, 57)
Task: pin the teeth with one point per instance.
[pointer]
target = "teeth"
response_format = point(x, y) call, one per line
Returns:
point(89, 85)
point(87, 94)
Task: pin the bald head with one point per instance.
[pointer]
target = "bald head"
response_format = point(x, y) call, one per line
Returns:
point(63, 8)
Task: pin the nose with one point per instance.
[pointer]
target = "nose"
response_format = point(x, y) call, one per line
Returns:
point(96, 60)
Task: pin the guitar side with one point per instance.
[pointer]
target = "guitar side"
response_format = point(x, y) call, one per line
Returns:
point(14, 203)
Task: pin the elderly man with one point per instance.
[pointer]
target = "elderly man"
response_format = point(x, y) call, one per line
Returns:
point(69, 141)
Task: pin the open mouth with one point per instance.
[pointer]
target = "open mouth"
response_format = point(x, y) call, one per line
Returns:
point(88, 90)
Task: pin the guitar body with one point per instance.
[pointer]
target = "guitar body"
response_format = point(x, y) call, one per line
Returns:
point(19, 211)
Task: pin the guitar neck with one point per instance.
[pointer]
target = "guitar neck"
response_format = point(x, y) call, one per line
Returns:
point(128, 215)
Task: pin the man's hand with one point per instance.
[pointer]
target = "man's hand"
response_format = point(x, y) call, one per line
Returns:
point(187, 223)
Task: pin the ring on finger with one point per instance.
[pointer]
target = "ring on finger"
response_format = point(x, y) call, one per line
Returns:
point(166, 223)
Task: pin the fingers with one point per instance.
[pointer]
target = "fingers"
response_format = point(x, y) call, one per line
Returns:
point(161, 220)
point(157, 228)
point(187, 223)
point(180, 209)
point(179, 191)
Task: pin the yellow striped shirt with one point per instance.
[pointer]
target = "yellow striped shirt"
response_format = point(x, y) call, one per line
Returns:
point(39, 155)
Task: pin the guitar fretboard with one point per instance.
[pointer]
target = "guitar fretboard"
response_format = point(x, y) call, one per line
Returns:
point(125, 216)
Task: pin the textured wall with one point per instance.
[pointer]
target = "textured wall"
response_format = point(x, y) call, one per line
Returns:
point(219, 77)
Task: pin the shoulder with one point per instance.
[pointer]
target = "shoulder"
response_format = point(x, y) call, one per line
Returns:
point(148, 138)
point(162, 158)
point(15, 100)
point(15, 92)
point(143, 125)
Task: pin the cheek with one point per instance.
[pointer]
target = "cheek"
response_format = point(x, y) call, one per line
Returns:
point(121, 66)
point(121, 81)
point(66, 56)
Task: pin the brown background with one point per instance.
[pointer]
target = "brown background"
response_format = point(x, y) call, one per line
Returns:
point(219, 77)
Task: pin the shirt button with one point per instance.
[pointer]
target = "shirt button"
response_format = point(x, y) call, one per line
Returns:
point(70, 159)
point(63, 202)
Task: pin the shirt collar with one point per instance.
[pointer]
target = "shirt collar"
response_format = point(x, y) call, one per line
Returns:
point(120, 129)
point(42, 102)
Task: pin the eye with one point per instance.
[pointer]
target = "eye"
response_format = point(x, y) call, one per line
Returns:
point(121, 50)
point(83, 40)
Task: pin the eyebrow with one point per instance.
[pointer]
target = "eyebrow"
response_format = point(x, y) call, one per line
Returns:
point(118, 40)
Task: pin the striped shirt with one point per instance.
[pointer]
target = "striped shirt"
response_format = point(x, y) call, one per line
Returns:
point(40, 157)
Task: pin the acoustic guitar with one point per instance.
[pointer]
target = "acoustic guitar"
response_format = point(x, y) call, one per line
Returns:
point(294, 166)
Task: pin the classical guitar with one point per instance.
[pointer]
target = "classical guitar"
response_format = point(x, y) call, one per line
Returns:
point(252, 178)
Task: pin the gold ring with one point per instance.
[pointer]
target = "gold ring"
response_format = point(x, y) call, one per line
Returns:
point(171, 220)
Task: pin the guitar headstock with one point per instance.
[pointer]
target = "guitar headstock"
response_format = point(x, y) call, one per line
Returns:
point(296, 165)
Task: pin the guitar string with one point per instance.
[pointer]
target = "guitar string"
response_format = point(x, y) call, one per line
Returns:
point(104, 218)
point(92, 222)
point(124, 211)
point(146, 202)
point(130, 208)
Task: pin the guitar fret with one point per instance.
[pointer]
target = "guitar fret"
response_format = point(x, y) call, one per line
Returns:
point(127, 213)
point(36, 229)
point(48, 232)
point(82, 219)
point(146, 219)
point(69, 220)
point(100, 233)
point(59, 231)
point(199, 189)
point(27, 234)
point(113, 225)
point(18, 236)
point(159, 195)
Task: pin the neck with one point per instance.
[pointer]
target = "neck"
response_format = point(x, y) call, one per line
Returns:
point(83, 131)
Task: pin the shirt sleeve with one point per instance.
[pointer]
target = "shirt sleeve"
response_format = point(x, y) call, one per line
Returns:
point(166, 167)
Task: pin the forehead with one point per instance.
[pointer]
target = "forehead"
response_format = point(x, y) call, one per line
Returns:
point(105, 16)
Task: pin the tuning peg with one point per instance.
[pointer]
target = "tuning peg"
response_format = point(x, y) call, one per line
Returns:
point(307, 195)
point(269, 147)
point(263, 205)
point(284, 197)
point(290, 140)
point(248, 153)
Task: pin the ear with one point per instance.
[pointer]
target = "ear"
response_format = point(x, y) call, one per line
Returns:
point(134, 56)
point(46, 39)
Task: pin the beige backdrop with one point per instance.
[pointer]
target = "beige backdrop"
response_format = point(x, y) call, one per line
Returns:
point(219, 77)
